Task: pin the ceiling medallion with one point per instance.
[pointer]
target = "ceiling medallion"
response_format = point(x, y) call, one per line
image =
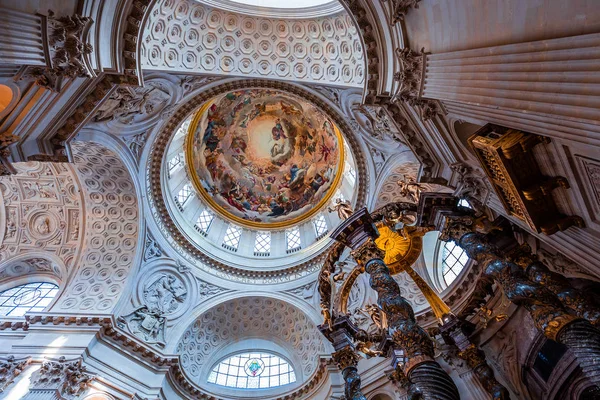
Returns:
point(264, 158)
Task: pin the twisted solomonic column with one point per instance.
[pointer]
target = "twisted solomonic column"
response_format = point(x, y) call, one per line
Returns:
point(575, 300)
point(422, 369)
point(347, 360)
point(453, 331)
point(547, 311)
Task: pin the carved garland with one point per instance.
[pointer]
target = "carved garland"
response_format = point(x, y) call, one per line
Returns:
point(156, 197)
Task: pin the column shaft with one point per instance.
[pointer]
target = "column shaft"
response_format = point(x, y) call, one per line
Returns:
point(22, 41)
point(422, 369)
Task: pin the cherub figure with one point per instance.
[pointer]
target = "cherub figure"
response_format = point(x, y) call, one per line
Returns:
point(410, 189)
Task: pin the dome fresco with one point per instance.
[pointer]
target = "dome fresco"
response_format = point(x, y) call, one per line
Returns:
point(264, 158)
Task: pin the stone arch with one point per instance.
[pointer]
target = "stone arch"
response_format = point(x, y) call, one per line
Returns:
point(111, 231)
point(252, 321)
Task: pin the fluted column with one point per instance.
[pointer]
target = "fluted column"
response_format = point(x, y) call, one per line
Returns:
point(421, 368)
point(548, 313)
point(575, 300)
point(22, 39)
point(521, 85)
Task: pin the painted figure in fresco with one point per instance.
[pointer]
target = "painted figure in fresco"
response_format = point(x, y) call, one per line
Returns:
point(260, 183)
point(343, 208)
point(290, 109)
point(277, 130)
point(325, 151)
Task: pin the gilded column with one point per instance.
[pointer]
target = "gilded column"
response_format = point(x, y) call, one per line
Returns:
point(548, 313)
point(421, 368)
point(453, 332)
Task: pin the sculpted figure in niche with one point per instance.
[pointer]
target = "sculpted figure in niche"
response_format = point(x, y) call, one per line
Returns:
point(343, 208)
point(165, 294)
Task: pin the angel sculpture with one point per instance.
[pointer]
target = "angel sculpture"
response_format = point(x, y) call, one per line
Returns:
point(410, 189)
point(397, 222)
point(365, 348)
point(375, 314)
point(343, 208)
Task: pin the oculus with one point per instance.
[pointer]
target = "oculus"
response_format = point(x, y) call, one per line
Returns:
point(264, 158)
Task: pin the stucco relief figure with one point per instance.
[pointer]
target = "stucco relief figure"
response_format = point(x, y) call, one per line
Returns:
point(126, 103)
point(145, 323)
point(410, 189)
point(343, 208)
point(42, 226)
point(165, 294)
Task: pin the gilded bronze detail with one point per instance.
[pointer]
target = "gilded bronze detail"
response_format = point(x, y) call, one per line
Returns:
point(507, 158)
point(575, 300)
point(347, 360)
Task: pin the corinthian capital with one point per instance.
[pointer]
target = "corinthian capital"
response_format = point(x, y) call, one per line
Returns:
point(346, 357)
point(368, 251)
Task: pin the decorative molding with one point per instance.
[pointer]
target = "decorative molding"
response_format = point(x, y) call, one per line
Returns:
point(43, 213)
point(400, 8)
point(248, 317)
point(151, 247)
point(68, 50)
point(112, 225)
point(188, 36)
point(10, 368)
point(132, 38)
point(69, 377)
point(170, 230)
point(410, 80)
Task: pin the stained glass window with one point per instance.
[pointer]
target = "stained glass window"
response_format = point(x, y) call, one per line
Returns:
point(252, 371)
point(454, 259)
point(31, 297)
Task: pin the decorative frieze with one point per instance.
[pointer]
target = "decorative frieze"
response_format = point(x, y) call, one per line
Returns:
point(10, 368)
point(69, 377)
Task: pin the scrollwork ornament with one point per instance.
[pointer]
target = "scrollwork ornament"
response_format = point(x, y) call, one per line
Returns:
point(10, 369)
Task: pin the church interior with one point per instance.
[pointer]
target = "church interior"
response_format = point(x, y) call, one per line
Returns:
point(300, 199)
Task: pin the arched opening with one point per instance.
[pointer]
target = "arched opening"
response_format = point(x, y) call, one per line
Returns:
point(6, 96)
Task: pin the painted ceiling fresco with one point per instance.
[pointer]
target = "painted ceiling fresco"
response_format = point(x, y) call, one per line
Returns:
point(263, 157)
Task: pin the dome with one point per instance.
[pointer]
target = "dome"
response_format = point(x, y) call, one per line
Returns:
point(264, 158)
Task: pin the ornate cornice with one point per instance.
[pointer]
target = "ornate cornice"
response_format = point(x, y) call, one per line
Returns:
point(132, 39)
point(162, 215)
